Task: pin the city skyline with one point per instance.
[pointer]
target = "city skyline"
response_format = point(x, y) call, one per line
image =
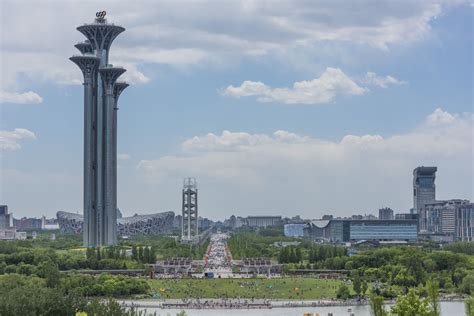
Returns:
point(209, 101)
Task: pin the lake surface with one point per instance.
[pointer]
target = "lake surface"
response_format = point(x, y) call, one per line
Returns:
point(447, 309)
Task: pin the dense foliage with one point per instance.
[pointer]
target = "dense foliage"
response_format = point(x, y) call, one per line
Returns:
point(33, 295)
point(247, 243)
point(166, 247)
point(392, 269)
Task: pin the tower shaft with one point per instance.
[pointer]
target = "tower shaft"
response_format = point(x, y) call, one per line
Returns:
point(189, 225)
point(100, 135)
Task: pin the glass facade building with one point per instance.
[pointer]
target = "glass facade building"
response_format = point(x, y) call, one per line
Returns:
point(294, 230)
point(384, 230)
point(464, 228)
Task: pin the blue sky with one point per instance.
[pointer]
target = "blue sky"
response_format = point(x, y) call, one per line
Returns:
point(288, 107)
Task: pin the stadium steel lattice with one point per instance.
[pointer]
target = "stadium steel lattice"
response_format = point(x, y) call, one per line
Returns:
point(152, 224)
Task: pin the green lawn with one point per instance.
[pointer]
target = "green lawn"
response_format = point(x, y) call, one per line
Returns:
point(286, 288)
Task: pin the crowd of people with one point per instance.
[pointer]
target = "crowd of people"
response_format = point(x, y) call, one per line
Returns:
point(218, 258)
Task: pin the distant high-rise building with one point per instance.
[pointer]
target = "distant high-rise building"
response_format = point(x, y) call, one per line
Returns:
point(101, 93)
point(424, 192)
point(6, 219)
point(3, 216)
point(385, 213)
point(464, 222)
point(441, 216)
point(189, 226)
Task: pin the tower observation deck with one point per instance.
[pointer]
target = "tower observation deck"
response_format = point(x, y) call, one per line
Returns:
point(101, 93)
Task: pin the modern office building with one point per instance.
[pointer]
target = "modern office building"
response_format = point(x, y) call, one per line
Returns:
point(464, 222)
point(449, 218)
point(294, 230)
point(440, 217)
point(424, 192)
point(189, 225)
point(340, 230)
point(385, 213)
point(319, 230)
point(384, 230)
point(335, 230)
point(101, 93)
point(263, 221)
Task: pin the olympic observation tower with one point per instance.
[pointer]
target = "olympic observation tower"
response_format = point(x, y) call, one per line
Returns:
point(101, 93)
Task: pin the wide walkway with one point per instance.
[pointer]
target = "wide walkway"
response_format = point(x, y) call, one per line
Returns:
point(218, 258)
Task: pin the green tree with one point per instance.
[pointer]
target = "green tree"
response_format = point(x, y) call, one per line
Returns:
point(432, 289)
point(364, 287)
point(99, 255)
point(356, 284)
point(377, 305)
point(470, 306)
point(152, 255)
point(298, 254)
point(134, 253)
point(49, 271)
point(343, 292)
point(411, 305)
point(467, 284)
point(140, 254)
point(146, 255)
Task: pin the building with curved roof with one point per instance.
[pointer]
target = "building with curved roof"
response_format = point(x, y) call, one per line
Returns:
point(150, 224)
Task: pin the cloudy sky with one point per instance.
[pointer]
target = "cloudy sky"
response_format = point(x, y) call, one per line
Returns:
point(276, 107)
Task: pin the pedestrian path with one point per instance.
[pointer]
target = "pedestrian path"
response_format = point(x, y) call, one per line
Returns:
point(218, 258)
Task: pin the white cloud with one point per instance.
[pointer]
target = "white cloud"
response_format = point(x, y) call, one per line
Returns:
point(145, 54)
point(132, 75)
point(371, 78)
point(324, 89)
point(29, 97)
point(9, 139)
point(440, 117)
point(287, 171)
point(165, 34)
point(232, 140)
point(124, 157)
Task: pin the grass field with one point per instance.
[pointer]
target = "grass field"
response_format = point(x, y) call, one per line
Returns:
point(285, 288)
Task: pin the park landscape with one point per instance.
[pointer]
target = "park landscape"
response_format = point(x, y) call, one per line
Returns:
point(47, 276)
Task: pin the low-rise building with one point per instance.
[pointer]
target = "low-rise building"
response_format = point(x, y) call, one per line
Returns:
point(27, 223)
point(12, 234)
point(263, 221)
point(294, 230)
point(384, 230)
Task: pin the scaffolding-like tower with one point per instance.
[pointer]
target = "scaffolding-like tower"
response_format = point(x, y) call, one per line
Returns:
point(189, 225)
point(101, 92)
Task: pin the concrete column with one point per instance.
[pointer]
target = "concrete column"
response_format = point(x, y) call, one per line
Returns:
point(109, 76)
point(88, 66)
